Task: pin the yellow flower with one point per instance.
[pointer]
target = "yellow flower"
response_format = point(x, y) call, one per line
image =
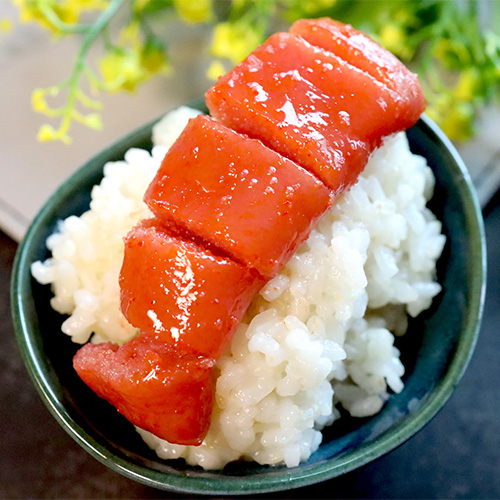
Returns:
point(92, 120)
point(30, 11)
point(47, 133)
point(194, 11)
point(121, 70)
point(466, 87)
point(153, 58)
point(454, 117)
point(140, 5)
point(458, 124)
point(215, 70)
point(87, 101)
point(66, 11)
point(392, 37)
point(5, 25)
point(234, 41)
point(38, 101)
point(91, 4)
point(132, 62)
point(126, 69)
point(131, 35)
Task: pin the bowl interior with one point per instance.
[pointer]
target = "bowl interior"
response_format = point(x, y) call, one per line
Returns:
point(435, 351)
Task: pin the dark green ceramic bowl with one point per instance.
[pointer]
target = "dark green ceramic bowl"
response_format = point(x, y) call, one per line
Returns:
point(435, 354)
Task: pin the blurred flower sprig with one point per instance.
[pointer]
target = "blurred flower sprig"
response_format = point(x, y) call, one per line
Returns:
point(5, 25)
point(452, 44)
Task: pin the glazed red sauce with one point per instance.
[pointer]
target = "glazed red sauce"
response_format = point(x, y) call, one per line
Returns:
point(361, 51)
point(153, 384)
point(183, 294)
point(309, 105)
point(237, 195)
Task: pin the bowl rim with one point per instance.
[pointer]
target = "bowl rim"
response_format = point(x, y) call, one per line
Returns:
point(295, 477)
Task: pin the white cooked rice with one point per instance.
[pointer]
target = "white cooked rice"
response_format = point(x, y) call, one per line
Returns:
point(320, 333)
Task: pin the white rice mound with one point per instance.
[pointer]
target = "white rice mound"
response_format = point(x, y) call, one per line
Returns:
point(319, 334)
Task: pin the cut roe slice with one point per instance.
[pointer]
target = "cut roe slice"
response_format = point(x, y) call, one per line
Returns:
point(237, 195)
point(309, 105)
point(361, 51)
point(181, 293)
point(154, 385)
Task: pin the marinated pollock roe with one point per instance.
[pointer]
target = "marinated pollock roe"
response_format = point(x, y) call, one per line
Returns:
point(320, 334)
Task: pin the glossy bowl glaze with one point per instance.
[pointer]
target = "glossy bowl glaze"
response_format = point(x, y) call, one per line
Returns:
point(435, 352)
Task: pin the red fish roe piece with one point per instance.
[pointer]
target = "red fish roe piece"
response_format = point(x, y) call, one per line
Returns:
point(309, 105)
point(181, 293)
point(154, 385)
point(361, 51)
point(237, 195)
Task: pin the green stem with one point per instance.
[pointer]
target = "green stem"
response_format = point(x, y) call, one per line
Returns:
point(96, 28)
point(65, 28)
point(146, 28)
point(93, 32)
